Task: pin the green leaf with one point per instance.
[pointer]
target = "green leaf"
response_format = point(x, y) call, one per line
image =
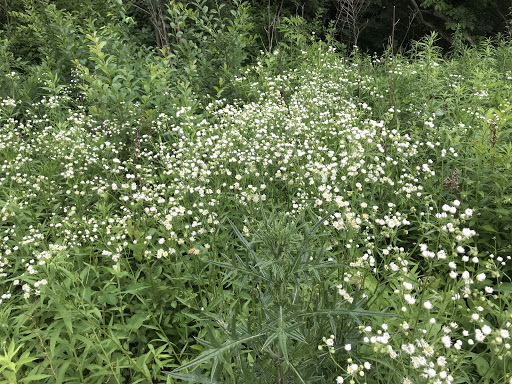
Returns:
point(504, 288)
point(297, 373)
point(87, 293)
point(30, 378)
point(282, 344)
point(350, 312)
point(281, 334)
point(269, 340)
point(488, 228)
point(236, 268)
point(503, 211)
point(6, 363)
point(136, 321)
point(241, 237)
point(482, 366)
point(192, 377)
point(25, 358)
point(212, 353)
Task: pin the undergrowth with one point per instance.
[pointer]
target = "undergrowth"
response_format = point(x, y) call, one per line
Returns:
point(317, 218)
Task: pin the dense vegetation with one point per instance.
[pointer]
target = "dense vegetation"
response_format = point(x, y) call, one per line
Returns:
point(195, 193)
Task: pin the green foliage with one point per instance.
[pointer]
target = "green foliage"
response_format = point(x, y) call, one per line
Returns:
point(213, 42)
point(465, 16)
point(10, 365)
point(283, 308)
point(41, 32)
point(157, 228)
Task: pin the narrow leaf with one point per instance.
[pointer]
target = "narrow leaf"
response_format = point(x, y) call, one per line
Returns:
point(191, 377)
point(350, 312)
point(215, 352)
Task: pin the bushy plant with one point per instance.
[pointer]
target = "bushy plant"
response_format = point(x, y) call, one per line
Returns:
point(347, 222)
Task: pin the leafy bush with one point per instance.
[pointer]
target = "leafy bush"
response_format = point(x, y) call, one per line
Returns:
point(347, 222)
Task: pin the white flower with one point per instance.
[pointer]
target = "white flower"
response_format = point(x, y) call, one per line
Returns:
point(479, 336)
point(418, 361)
point(467, 233)
point(447, 341)
point(348, 347)
point(339, 380)
point(351, 369)
point(408, 348)
point(427, 304)
point(408, 286)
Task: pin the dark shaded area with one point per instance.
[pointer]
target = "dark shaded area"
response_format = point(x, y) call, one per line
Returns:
point(368, 23)
point(376, 19)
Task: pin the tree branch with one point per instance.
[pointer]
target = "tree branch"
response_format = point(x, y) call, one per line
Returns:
point(140, 8)
point(429, 25)
point(448, 20)
point(501, 15)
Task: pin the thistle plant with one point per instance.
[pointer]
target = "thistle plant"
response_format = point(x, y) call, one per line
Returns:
point(284, 280)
